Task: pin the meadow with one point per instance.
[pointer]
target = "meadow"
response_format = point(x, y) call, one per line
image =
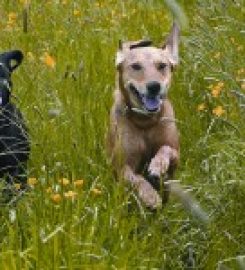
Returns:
point(76, 216)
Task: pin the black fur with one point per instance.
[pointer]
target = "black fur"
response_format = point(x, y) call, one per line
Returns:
point(14, 139)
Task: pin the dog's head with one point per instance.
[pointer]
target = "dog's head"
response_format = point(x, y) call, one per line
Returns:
point(145, 71)
point(9, 61)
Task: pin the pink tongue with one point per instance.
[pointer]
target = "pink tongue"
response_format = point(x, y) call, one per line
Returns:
point(151, 104)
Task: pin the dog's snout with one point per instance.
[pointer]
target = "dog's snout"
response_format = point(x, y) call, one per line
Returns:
point(153, 88)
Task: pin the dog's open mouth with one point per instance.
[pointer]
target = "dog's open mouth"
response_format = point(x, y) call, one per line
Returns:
point(150, 103)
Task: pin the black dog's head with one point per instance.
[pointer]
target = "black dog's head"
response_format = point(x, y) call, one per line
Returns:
point(9, 61)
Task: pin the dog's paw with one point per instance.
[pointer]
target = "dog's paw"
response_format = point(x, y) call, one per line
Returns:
point(159, 184)
point(154, 180)
point(149, 195)
point(158, 167)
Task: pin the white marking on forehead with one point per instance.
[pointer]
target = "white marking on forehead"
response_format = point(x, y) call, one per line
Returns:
point(146, 54)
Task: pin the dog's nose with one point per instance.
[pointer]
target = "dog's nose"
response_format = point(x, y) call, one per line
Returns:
point(153, 88)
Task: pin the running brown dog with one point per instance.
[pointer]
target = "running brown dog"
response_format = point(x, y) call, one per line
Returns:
point(143, 139)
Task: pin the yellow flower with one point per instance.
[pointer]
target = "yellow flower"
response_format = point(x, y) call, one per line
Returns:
point(99, 4)
point(96, 191)
point(215, 91)
point(70, 194)
point(48, 60)
point(30, 56)
point(17, 186)
point(201, 107)
point(241, 71)
point(240, 48)
point(218, 111)
point(32, 181)
point(78, 183)
point(49, 190)
point(56, 198)
point(24, 2)
point(12, 16)
point(217, 55)
point(232, 39)
point(64, 182)
point(76, 12)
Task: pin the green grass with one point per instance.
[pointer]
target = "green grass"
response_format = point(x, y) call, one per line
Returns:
point(66, 110)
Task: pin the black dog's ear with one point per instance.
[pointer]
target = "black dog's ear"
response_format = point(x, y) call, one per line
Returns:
point(12, 59)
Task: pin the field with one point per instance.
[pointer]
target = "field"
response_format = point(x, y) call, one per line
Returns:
point(76, 216)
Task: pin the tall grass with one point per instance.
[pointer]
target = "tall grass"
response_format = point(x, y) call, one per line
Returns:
point(103, 225)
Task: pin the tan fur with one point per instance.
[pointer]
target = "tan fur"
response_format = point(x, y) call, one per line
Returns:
point(144, 145)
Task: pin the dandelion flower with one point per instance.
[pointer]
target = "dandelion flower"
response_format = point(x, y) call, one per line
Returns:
point(24, 2)
point(239, 48)
point(64, 182)
point(30, 56)
point(232, 39)
point(76, 12)
point(217, 55)
point(17, 186)
point(216, 89)
point(215, 92)
point(56, 198)
point(49, 190)
point(218, 111)
point(241, 71)
point(32, 181)
point(12, 16)
point(201, 107)
point(96, 191)
point(70, 194)
point(48, 60)
point(78, 183)
point(220, 84)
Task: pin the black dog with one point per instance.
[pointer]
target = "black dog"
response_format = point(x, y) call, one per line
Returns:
point(14, 139)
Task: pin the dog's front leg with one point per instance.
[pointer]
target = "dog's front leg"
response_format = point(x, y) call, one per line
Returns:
point(146, 192)
point(162, 163)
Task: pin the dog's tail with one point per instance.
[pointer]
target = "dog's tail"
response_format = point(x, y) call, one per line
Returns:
point(188, 202)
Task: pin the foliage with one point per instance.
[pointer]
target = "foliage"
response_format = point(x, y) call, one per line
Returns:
point(76, 216)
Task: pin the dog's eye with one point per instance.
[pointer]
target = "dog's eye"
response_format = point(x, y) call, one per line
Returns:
point(136, 66)
point(161, 66)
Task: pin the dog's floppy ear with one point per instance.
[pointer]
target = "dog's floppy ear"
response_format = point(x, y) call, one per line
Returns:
point(172, 44)
point(12, 59)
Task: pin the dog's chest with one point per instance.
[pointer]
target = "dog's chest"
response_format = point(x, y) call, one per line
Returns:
point(151, 142)
point(154, 138)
